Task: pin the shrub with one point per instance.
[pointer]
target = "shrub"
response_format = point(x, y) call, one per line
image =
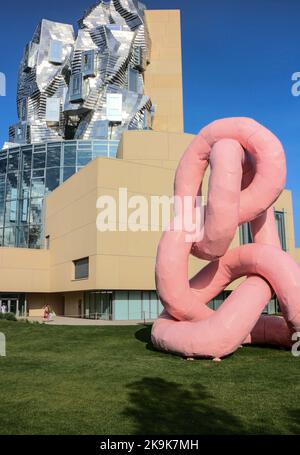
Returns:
point(8, 316)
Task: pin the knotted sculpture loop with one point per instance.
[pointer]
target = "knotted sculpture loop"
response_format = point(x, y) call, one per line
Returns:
point(248, 172)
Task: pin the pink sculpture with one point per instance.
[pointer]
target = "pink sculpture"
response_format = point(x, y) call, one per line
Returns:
point(248, 172)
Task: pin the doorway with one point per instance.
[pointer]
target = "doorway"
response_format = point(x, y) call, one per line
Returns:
point(15, 304)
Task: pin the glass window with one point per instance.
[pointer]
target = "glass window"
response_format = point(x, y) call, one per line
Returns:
point(36, 211)
point(25, 185)
point(37, 187)
point(38, 173)
point(88, 63)
point(100, 129)
point(24, 205)
point(76, 84)
point(10, 212)
point(13, 161)
point(2, 209)
point(133, 79)
point(53, 156)
point(84, 157)
point(113, 149)
point(10, 236)
point(146, 306)
point(68, 172)
point(12, 185)
point(78, 88)
point(2, 185)
point(22, 236)
point(81, 268)
point(56, 51)
point(3, 165)
point(27, 158)
point(121, 306)
point(245, 234)
point(35, 236)
point(135, 305)
point(39, 160)
point(52, 178)
point(280, 222)
point(39, 148)
point(70, 155)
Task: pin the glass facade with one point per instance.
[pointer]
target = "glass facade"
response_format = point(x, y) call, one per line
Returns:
point(122, 305)
point(28, 173)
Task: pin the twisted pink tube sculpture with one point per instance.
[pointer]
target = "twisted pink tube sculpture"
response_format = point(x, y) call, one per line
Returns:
point(248, 172)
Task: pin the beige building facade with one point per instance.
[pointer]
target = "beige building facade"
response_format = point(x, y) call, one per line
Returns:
point(82, 272)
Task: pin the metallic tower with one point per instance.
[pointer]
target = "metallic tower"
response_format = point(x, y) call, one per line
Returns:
point(88, 86)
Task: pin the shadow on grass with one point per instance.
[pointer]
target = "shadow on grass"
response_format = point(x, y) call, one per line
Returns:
point(144, 335)
point(158, 406)
point(294, 421)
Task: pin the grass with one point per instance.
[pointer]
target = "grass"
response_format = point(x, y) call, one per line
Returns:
point(110, 380)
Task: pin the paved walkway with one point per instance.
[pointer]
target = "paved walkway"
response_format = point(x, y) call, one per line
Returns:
point(60, 320)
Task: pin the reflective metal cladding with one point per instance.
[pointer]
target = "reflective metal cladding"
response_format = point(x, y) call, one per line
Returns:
point(75, 97)
point(65, 81)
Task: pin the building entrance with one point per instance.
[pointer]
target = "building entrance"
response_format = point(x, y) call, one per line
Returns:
point(13, 303)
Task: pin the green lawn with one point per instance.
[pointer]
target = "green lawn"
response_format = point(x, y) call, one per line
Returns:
point(109, 380)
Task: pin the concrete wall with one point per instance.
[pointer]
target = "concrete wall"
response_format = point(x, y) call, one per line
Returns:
point(24, 270)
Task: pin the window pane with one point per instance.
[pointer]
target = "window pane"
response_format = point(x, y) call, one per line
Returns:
point(35, 236)
point(68, 172)
point(3, 165)
point(24, 206)
point(12, 185)
point(10, 212)
point(39, 160)
point(81, 268)
point(133, 78)
point(22, 236)
point(38, 173)
point(53, 156)
point(9, 236)
point(2, 208)
point(280, 221)
point(52, 179)
point(36, 211)
point(84, 158)
point(25, 184)
point(37, 187)
point(27, 158)
point(70, 156)
point(56, 51)
point(135, 305)
point(13, 161)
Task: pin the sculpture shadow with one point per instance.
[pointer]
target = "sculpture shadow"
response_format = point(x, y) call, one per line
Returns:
point(158, 406)
point(144, 336)
point(294, 421)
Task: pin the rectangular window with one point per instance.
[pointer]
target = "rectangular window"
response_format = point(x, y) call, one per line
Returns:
point(88, 66)
point(56, 51)
point(53, 110)
point(81, 269)
point(245, 234)
point(280, 222)
point(100, 129)
point(133, 79)
point(78, 88)
point(52, 178)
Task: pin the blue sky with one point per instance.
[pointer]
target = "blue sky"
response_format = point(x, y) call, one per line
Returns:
point(238, 59)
